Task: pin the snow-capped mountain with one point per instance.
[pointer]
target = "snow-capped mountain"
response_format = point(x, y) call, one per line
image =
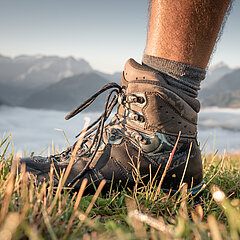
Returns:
point(24, 74)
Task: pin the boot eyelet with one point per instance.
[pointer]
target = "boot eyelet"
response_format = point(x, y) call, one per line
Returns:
point(140, 100)
point(112, 138)
point(132, 99)
point(144, 141)
point(113, 131)
point(138, 137)
point(136, 117)
point(141, 118)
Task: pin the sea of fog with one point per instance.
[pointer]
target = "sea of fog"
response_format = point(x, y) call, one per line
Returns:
point(35, 130)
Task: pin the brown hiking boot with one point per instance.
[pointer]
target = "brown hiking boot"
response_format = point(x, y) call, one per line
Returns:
point(140, 136)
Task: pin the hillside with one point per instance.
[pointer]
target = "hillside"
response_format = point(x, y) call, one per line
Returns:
point(115, 77)
point(223, 93)
point(68, 93)
point(42, 82)
point(214, 73)
point(224, 100)
point(2, 102)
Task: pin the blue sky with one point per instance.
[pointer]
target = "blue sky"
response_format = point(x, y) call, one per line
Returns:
point(105, 33)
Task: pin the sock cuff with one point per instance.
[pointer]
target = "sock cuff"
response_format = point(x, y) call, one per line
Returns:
point(171, 67)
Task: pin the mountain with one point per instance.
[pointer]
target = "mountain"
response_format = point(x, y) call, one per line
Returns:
point(216, 72)
point(68, 93)
point(229, 82)
point(13, 94)
point(23, 75)
point(39, 70)
point(115, 77)
point(2, 102)
point(223, 93)
point(223, 100)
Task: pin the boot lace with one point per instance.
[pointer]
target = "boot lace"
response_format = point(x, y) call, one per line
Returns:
point(111, 101)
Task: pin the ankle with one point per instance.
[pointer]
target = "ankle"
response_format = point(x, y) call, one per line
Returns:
point(184, 77)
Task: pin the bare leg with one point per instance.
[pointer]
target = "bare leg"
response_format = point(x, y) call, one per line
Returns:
point(185, 31)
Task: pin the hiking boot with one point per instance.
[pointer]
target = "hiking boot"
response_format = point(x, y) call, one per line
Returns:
point(138, 139)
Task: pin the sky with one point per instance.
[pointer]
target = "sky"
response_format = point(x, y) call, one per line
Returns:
point(105, 33)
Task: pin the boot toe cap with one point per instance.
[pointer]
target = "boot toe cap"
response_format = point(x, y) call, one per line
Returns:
point(36, 162)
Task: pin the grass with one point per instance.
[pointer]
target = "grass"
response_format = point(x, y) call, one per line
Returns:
point(34, 212)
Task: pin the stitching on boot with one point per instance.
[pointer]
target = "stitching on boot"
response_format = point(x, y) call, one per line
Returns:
point(121, 168)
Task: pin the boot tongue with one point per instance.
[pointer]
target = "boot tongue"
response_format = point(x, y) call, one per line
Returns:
point(134, 71)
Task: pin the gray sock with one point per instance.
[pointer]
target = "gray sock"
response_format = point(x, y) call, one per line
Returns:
point(184, 77)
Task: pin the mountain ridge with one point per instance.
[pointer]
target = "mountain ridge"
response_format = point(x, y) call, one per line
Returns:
point(223, 93)
point(24, 78)
point(26, 74)
point(68, 93)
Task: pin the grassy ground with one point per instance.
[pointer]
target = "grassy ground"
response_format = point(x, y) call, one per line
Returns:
point(29, 212)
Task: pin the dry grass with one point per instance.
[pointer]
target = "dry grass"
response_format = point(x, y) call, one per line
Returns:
point(28, 211)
